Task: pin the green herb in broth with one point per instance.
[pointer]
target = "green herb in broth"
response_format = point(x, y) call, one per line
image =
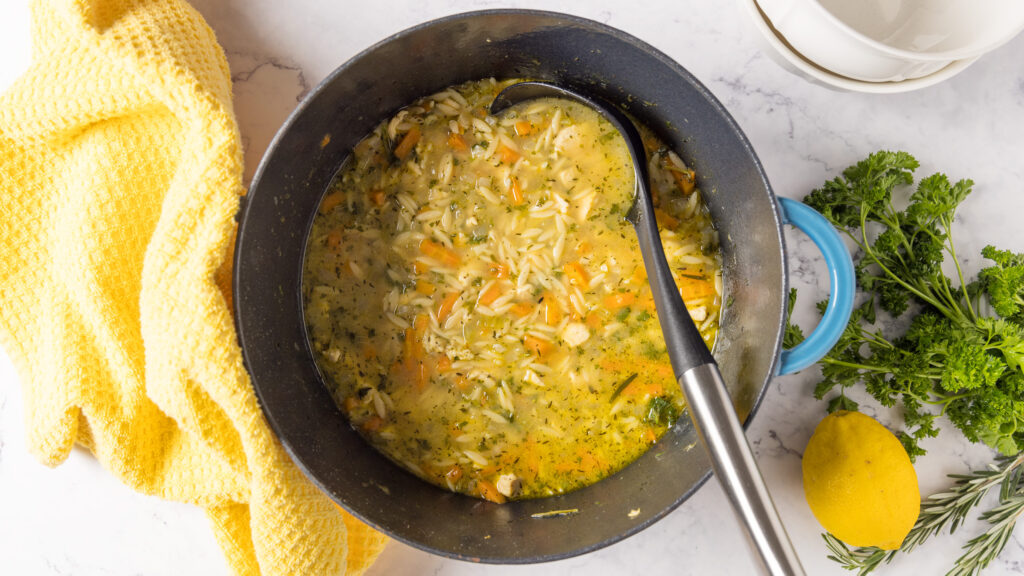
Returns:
point(479, 306)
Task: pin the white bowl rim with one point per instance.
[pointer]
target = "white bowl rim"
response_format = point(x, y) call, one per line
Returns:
point(949, 55)
point(806, 66)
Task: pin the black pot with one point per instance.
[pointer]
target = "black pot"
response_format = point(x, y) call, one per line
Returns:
point(307, 153)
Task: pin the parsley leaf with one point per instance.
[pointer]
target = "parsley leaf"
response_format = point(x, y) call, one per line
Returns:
point(661, 411)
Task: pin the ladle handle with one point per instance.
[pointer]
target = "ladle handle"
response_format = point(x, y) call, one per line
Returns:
point(708, 399)
point(715, 418)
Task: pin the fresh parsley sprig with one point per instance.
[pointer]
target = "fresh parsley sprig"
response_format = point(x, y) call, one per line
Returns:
point(953, 360)
point(948, 510)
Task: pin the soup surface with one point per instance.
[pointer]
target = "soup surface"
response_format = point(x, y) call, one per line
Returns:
point(479, 305)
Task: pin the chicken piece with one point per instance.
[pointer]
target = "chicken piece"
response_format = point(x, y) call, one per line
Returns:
point(575, 333)
point(509, 485)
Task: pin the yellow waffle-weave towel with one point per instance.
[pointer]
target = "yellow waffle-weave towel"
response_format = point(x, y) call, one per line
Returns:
point(120, 174)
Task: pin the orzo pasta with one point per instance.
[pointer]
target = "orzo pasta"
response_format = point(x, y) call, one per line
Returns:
point(479, 305)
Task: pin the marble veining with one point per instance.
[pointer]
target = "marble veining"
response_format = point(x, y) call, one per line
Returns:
point(76, 519)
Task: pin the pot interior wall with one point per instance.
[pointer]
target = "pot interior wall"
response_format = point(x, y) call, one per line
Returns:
point(306, 155)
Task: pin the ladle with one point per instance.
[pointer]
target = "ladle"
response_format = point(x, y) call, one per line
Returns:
point(708, 399)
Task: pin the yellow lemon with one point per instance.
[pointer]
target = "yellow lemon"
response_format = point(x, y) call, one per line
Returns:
point(859, 481)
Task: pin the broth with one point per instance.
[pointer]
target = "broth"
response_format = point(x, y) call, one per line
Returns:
point(479, 306)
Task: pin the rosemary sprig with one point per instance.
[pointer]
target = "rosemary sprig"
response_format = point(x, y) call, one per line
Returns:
point(983, 548)
point(863, 560)
point(950, 509)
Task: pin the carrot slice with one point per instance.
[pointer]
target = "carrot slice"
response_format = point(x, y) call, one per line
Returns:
point(457, 142)
point(515, 193)
point(508, 155)
point(664, 219)
point(414, 340)
point(521, 309)
point(420, 324)
point(576, 273)
point(532, 456)
point(551, 311)
point(490, 295)
point(444, 363)
point(693, 288)
point(686, 180)
point(618, 300)
point(490, 492)
point(643, 388)
point(445, 308)
point(377, 197)
point(424, 287)
point(420, 375)
point(334, 240)
point(445, 255)
point(590, 462)
point(536, 345)
point(350, 404)
point(454, 473)
point(523, 128)
point(330, 201)
point(499, 270)
point(408, 142)
point(411, 368)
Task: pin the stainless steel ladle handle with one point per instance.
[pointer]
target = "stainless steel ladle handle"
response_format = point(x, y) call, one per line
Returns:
point(733, 462)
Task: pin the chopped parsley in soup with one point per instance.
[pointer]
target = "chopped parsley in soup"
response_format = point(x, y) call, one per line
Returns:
point(478, 305)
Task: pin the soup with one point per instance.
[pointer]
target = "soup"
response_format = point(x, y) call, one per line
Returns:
point(478, 305)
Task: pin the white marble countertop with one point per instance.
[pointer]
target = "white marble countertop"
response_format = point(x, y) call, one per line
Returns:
point(76, 519)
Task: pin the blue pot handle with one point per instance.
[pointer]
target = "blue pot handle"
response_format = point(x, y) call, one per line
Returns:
point(841, 277)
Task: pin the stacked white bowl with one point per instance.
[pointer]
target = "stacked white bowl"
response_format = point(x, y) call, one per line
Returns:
point(883, 45)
